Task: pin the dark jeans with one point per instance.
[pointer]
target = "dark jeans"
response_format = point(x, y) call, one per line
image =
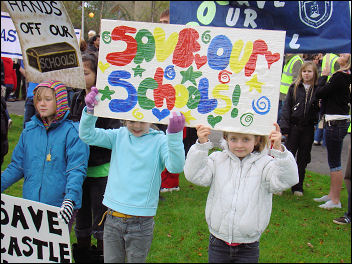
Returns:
point(92, 210)
point(29, 110)
point(334, 135)
point(220, 252)
point(299, 141)
point(9, 89)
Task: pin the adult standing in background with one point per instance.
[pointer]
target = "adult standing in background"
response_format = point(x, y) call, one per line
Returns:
point(91, 33)
point(328, 60)
point(336, 94)
point(10, 81)
point(293, 63)
point(93, 44)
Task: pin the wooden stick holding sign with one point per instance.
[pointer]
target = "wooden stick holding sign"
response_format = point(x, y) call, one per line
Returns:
point(227, 78)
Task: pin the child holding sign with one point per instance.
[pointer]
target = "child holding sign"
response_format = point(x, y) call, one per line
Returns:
point(242, 179)
point(139, 154)
point(92, 210)
point(49, 155)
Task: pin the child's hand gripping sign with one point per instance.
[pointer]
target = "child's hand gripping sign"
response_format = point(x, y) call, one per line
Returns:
point(226, 78)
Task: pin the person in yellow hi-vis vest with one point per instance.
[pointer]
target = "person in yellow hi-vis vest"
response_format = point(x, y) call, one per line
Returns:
point(329, 61)
point(293, 63)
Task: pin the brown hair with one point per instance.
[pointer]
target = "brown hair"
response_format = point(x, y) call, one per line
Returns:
point(82, 45)
point(260, 146)
point(300, 78)
point(165, 13)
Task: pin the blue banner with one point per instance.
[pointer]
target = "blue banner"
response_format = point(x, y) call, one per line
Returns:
point(311, 26)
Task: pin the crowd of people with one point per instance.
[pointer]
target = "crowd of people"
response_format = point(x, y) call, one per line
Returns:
point(109, 172)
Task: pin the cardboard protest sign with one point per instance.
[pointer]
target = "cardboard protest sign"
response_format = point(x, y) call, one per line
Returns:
point(226, 78)
point(31, 232)
point(48, 42)
point(10, 45)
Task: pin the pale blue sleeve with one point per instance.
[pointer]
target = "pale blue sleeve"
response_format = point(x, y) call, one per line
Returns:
point(91, 135)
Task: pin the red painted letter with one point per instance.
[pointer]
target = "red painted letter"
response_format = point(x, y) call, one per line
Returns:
point(125, 57)
point(187, 44)
point(163, 91)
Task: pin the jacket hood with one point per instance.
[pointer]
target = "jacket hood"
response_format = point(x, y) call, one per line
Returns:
point(60, 96)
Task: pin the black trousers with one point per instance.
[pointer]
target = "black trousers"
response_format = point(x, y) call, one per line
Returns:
point(299, 142)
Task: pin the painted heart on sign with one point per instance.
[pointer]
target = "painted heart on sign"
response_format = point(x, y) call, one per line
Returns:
point(200, 61)
point(271, 58)
point(102, 66)
point(214, 120)
point(160, 114)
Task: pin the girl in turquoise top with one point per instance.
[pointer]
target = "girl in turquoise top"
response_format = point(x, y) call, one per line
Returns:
point(138, 156)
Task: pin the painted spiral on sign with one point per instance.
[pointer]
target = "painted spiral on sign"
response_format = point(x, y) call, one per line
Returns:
point(246, 119)
point(262, 106)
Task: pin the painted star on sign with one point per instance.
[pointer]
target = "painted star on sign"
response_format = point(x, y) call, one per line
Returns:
point(106, 93)
point(253, 83)
point(190, 75)
point(138, 71)
point(188, 116)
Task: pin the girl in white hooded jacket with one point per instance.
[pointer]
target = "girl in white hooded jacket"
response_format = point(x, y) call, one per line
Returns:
point(242, 179)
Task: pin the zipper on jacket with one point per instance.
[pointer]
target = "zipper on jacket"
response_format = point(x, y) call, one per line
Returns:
point(239, 183)
point(295, 107)
point(305, 105)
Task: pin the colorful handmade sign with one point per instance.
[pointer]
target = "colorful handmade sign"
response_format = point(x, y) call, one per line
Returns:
point(228, 79)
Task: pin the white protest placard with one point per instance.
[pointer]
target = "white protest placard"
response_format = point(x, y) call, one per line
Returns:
point(32, 233)
point(226, 78)
point(10, 44)
point(48, 41)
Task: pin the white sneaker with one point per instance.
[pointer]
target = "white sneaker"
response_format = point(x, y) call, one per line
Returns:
point(298, 193)
point(278, 193)
point(324, 198)
point(330, 205)
point(175, 189)
point(170, 189)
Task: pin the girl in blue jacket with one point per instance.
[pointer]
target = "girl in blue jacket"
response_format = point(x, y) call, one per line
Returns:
point(138, 156)
point(49, 154)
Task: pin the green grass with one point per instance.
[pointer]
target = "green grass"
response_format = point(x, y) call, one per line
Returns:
point(299, 231)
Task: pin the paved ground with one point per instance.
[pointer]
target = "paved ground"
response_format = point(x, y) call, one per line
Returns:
point(318, 164)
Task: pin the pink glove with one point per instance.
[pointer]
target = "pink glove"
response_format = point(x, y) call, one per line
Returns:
point(90, 99)
point(176, 123)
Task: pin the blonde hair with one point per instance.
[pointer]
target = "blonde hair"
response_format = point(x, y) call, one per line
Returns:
point(38, 94)
point(260, 146)
point(348, 65)
point(300, 78)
